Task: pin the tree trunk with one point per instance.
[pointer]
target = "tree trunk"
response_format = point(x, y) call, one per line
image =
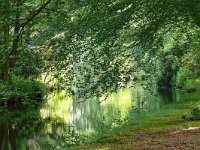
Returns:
point(5, 69)
point(10, 59)
point(12, 137)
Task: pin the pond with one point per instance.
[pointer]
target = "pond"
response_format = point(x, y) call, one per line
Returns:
point(62, 122)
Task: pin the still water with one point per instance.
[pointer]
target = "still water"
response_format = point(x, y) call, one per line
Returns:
point(62, 122)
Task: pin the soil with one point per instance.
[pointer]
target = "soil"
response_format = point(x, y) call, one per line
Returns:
point(186, 139)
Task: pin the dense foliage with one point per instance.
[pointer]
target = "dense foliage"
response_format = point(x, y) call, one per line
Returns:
point(93, 47)
point(21, 92)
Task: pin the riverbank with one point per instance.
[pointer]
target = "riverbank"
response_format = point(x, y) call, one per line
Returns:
point(160, 129)
point(168, 139)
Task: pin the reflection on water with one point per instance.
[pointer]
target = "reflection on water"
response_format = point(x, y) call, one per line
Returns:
point(62, 122)
point(7, 136)
point(84, 115)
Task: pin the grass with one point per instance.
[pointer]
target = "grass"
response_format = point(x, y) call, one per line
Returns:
point(167, 118)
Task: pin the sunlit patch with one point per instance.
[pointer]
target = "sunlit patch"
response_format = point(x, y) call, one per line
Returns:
point(192, 128)
point(120, 102)
point(188, 129)
point(58, 106)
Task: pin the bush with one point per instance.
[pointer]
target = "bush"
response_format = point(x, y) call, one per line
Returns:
point(21, 92)
point(195, 115)
point(185, 78)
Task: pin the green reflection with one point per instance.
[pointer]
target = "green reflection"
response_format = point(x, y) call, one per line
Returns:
point(62, 122)
point(7, 136)
point(57, 107)
point(83, 115)
point(118, 102)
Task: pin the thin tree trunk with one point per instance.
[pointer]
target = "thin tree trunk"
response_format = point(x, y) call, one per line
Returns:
point(1, 136)
point(12, 137)
point(6, 137)
point(5, 74)
point(5, 70)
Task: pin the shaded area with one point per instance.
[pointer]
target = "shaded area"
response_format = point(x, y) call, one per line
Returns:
point(7, 136)
point(183, 139)
point(187, 139)
point(26, 129)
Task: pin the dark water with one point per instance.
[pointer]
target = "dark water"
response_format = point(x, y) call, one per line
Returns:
point(61, 122)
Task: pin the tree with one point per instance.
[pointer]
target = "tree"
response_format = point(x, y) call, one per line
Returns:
point(15, 17)
point(96, 37)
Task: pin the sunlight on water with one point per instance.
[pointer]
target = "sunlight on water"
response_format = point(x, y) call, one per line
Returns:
point(58, 107)
point(84, 115)
point(118, 102)
point(62, 122)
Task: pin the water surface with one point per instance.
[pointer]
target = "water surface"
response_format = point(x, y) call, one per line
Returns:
point(62, 122)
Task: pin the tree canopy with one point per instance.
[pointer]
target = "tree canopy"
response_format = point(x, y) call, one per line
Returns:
point(98, 46)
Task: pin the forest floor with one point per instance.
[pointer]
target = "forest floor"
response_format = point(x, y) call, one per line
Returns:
point(185, 139)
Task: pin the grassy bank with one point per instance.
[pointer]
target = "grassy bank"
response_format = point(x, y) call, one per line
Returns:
point(164, 120)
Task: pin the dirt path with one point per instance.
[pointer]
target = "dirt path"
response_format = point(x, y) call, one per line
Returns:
point(187, 139)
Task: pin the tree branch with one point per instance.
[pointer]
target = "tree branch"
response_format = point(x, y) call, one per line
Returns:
point(34, 13)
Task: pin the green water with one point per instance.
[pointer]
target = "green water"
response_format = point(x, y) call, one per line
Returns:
point(62, 122)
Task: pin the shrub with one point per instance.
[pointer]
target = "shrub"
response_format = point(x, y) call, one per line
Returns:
point(195, 115)
point(185, 78)
point(21, 92)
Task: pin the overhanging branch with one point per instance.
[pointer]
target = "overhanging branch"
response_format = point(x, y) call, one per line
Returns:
point(34, 13)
